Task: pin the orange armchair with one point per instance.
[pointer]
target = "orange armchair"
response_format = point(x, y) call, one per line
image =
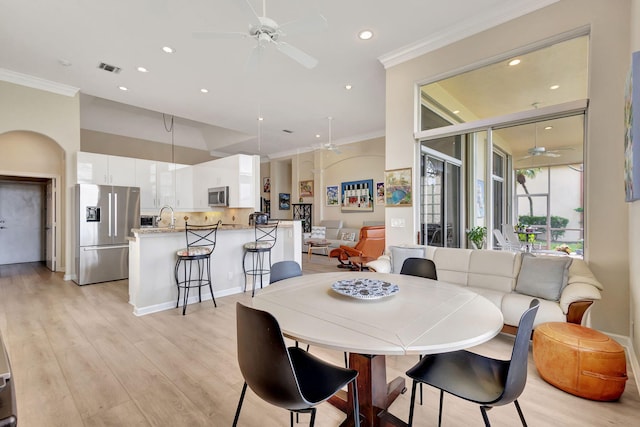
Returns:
point(371, 243)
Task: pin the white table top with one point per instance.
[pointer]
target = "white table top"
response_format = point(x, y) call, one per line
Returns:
point(424, 317)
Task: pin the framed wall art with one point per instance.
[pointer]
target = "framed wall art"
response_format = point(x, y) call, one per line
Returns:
point(332, 196)
point(379, 193)
point(397, 187)
point(632, 131)
point(284, 201)
point(266, 184)
point(306, 188)
point(357, 196)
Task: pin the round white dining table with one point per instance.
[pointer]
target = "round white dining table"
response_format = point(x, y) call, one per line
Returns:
point(423, 317)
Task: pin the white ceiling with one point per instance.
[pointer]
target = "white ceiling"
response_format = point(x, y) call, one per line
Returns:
point(37, 35)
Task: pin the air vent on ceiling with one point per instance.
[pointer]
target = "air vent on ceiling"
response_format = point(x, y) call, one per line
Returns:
point(287, 131)
point(109, 68)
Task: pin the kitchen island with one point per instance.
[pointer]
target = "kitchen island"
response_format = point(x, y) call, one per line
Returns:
point(152, 258)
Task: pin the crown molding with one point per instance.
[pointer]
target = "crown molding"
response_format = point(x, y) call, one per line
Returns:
point(37, 83)
point(461, 31)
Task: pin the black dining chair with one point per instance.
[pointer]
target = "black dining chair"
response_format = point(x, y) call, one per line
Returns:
point(283, 270)
point(486, 381)
point(289, 378)
point(420, 267)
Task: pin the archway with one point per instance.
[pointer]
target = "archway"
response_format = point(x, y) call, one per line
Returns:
point(32, 160)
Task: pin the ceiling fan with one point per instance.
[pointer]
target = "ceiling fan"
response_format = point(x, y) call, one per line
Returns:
point(267, 31)
point(537, 151)
point(329, 146)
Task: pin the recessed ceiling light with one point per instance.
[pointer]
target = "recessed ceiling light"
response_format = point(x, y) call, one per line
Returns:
point(260, 118)
point(167, 49)
point(456, 112)
point(514, 62)
point(348, 87)
point(143, 70)
point(365, 34)
point(123, 88)
point(548, 128)
point(317, 135)
point(554, 87)
point(204, 90)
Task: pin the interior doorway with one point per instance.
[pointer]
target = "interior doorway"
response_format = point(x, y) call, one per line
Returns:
point(27, 220)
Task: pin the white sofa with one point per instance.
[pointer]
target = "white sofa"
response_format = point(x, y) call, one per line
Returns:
point(508, 279)
point(333, 233)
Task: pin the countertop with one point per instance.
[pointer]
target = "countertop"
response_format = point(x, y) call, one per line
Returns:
point(159, 230)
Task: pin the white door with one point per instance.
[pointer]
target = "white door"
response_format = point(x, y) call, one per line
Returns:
point(50, 225)
point(21, 224)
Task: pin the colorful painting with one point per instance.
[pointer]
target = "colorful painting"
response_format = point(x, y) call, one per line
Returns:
point(397, 187)
point(632, 131)
point(379, 193)
point(306, 188)
point(357, 196)
point(284, 201)
point(266, 184)
point(332, 196)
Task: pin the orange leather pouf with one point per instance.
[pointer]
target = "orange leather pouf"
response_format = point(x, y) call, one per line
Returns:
point(580, 360)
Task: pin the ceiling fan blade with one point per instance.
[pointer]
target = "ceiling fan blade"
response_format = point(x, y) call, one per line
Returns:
point(297, 55)
point(551, 154)
point(249, 11)
point(308, 24)
point(205, 35)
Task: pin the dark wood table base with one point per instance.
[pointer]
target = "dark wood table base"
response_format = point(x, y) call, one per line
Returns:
point(374, 394)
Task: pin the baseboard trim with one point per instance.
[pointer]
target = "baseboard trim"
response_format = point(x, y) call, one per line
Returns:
point(193, 299)
point(633, 359)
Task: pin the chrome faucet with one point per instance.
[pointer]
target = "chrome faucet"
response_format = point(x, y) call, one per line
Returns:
point(173, 220)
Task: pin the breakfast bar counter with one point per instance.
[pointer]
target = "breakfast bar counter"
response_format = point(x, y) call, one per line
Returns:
point(152, 258)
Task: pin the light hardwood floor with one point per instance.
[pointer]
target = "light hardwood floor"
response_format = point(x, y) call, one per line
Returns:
point(81, 358)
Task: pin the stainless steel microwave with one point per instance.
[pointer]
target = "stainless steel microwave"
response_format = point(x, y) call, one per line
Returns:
point(219, 196)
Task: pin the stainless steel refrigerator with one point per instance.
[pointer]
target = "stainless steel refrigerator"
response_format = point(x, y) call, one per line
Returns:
point(105, 216)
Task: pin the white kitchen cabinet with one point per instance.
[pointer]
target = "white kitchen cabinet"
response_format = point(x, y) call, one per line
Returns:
point(159, 183)
point(104, 169)
point(241, 174)
point(146, 179)
point(184, 189)
point(205, 176)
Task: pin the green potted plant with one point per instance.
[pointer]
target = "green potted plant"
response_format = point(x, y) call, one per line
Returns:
point(477, 235)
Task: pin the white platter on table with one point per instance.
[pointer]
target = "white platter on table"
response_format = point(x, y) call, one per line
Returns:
point(363, 288)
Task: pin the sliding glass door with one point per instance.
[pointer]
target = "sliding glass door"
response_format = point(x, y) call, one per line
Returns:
point(440, 200)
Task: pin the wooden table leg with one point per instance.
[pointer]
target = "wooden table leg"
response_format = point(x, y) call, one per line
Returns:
point(374, 394)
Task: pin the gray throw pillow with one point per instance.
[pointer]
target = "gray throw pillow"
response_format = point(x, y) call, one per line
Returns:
point(543, 276)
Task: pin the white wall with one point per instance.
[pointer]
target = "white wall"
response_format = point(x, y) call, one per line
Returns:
point(58, 118)
point(606, 225)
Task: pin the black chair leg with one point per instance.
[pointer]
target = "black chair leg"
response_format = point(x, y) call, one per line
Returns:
point(524, 423)
point(210, 284)
point(413, 396)
point(420, 387)
point(440, 408)
point(235, 419)
point(485, 417)
point(356, 404)
point(313, 417)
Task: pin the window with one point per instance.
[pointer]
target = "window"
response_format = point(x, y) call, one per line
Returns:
point(511, 118)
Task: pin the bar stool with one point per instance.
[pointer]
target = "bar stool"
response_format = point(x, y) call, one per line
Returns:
point(265, 239)
point(201, 241)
